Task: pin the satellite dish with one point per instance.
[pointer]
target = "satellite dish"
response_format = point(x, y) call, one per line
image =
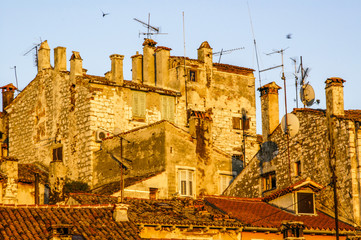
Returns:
point(307, 95)
point(117, 131)
point(292, 126)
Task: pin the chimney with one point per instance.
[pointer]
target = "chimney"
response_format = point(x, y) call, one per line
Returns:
point(162, 66)
point(205, 54)
point(149, 62)
point(60, 232)
point(137, 68)
point(117, 69)
point(9, 166)
point(292, 230)
point(60, 59)
point(334, 97)
point(76, 65)
point(200, 128)
point(120, 212)
point(269, 108)
point(57, 175)
point(44, 56)
point(8, 92)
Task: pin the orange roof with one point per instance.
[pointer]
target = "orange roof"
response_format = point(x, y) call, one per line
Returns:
point(256, 213)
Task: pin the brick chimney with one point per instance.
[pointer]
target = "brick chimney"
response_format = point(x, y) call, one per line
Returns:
point(117, 69)
point(269, 108)
point(60, 232)
point(8, 92)
point(292, 230)
point(44, 56)
point(9, 167)
point(162, 55)
point(137, 68)
point(60, 59)
point(120, 212)
point(57, 175)
point(76, 65)
point(205, 54)
point(200, 127)
point(149, 62)
point(334, 97)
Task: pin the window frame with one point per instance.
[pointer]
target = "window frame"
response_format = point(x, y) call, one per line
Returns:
point(298, 205)
point(168, 107)
point(269, 181)
point(225, 174)
point(190, 185)
point(55, 151)
point(139, 105)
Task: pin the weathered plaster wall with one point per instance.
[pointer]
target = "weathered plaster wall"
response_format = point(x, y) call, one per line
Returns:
point(26, 193)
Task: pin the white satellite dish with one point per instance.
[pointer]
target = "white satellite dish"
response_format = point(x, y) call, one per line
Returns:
point(292, 126)
point(117, 131)
point(307, 95)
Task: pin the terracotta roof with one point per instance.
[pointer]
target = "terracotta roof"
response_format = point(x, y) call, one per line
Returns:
point(200, 114)
point(311, 110)
point(353, 114)
point(254, 212)
point(91, 222)
point(92, 199)
point(113, 187)
point(349, 114)
point(178, 211)
point(8, 87)
point(161, 47)
point(294, 187)
point(27, 173)
point(232, 69)
point(204, 44)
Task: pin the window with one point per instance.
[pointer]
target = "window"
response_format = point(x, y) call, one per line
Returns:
point(236, 121)
point(305, 203)
point(240, 123)
point(192, 75)
point(153, 192)
point(269, 181)
point(298, 168)
point(225, 180)
point(185, 182)
point(168, 108)
point(58, 154)
point(139, 104)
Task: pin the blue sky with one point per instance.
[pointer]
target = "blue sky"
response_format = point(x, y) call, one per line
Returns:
point(327, 34)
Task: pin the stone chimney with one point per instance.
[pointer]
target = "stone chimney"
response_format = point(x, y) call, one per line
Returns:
point(76, 65)
point(117, 69)
point(8, 92)
point(60, 59)
point(44, 56)
point(334, 97)
point(162, 55)
point(137, 68)
point(120, 212)
point(57, 175)
point(9, 166)
point(269, 108)
point(200, 128)
point(292, 230)
point(205, 54)
point(149, 62)
point(60, 232)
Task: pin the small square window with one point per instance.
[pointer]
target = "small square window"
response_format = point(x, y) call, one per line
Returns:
point(269, 181)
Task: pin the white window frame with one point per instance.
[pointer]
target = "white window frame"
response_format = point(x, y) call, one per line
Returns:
point(187, 171)
point(221, 174)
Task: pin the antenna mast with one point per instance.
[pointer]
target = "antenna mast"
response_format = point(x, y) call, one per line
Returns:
point(225, 52)
point(151, 30)
point(184, 64)
point(296, 80)
point(36, 53)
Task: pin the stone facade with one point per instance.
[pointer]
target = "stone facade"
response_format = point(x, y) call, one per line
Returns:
point(324, 140)
point(69, 108)
point(158, 155)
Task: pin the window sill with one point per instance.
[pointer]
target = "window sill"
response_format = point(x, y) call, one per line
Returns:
point(138, 119)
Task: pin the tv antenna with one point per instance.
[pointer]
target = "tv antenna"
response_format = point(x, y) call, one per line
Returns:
point(151, 30)
point(35, 47)
point(307, 94)
point(225, 52)
point(16, 78)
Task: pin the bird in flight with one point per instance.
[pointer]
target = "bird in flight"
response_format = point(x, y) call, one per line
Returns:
point(104, 14)
point(289, 36)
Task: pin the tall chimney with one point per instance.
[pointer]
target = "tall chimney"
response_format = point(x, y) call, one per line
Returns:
point(205, 54)
point(44, 56)
point(60, 59)
point(334, 97)
point(269, 108)
point(149, 62)
point(57, 175)
point(9, 166)
point(8, 92)
point(117, 68)
point(162, 66)
point(76, 65)
point(120, 212)
point(137, 68)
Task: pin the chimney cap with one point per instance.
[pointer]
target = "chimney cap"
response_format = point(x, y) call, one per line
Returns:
point(44, 45)
point(76, 55)
point(9, 87)
point(272, 85)
point(116, 56)
point(159, 48)
point(204, 44)
point(336, 80)
point(149, 42)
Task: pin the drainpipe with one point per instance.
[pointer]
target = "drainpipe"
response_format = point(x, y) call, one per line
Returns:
point(358, 173)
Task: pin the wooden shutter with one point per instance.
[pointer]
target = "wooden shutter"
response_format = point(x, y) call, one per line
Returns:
point(168, 108)
point(142, 104)
point(236, 121)
point(135, 106)
point(305, 202)
point(139, 104)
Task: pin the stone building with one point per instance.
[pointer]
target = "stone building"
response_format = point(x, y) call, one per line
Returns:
point(327, 139)
point(164, 161)
point(62, 115)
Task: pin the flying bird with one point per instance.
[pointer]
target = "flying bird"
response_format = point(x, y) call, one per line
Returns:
point(104, 14)
point(289, 36)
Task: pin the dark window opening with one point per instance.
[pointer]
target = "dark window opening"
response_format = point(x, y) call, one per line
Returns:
point(192, 75)
point(305, 203)
point(298, 168)
point(269, 181)
point(58, 154)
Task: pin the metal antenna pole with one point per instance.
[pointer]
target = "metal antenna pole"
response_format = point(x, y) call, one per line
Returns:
point(121, 172)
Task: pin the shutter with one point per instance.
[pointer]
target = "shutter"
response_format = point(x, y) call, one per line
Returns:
point(245, 123)
point(135, 106)
point(142, 104)
point(171, 109)
point(164, 107)
point(190, 180)
point(305, 202)
point(236, 122)
point(183, 182)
